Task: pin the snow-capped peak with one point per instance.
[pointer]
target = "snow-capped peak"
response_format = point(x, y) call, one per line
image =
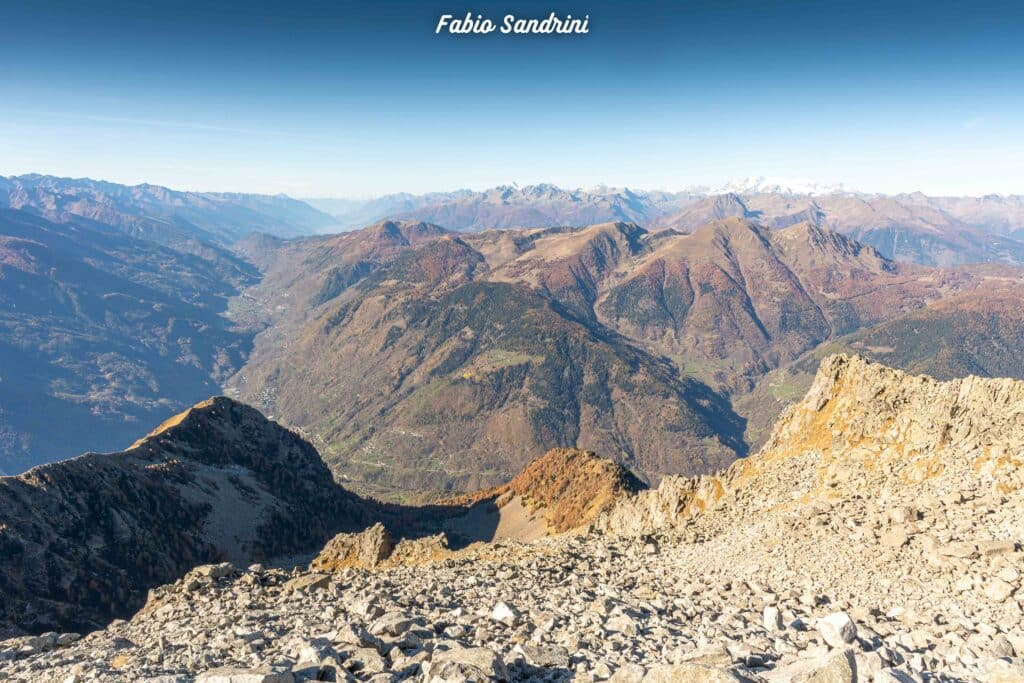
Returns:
point(763, 184)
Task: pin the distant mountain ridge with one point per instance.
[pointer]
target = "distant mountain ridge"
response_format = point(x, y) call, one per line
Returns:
point(772, 185)
point(161, 214)
point(101, 331)
point(906, 227)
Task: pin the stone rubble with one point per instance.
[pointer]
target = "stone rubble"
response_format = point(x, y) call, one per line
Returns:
point(592, 607)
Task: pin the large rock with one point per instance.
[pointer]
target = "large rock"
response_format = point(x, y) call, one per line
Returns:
point(506, 614)
point(771, 619)
point(366, 550)
point(456, 660)
point(412, 551)
point(998, 590)
point(689, 673)
point(675, 499)
point(307, 582)
point(837, 629)
point(214, 571)
point(238, 675)
point(1002, 671)
point(839, 666)
point(546, 655)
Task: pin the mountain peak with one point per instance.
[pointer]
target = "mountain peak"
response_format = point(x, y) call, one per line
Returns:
point(202, 410)
point(820, 247)
point(777, 185)
point(216, 482)
point(403, 231)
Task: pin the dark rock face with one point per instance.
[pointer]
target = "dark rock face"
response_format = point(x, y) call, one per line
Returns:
point(82, 540)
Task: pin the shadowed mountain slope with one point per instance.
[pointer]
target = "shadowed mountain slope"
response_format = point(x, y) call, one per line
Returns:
point(101, 332)
point(82, 540)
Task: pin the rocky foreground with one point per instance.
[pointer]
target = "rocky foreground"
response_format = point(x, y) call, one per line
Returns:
point(876, 537)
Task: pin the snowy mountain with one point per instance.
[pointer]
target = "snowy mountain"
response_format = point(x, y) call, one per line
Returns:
point(776, 185)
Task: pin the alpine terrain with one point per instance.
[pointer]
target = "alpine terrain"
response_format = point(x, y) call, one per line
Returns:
point(421, 361)
point(875, 537)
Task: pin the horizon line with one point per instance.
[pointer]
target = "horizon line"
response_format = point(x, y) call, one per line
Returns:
point(698, 189)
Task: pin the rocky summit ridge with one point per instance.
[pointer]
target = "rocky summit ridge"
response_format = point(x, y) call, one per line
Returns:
point(82, 540)
point(875, 537)
point(866, 430)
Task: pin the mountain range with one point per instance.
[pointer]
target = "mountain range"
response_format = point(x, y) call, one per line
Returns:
point(161, 214)
point(669, 338)
point(641, 437)
point(422, 360)
point(906, 227)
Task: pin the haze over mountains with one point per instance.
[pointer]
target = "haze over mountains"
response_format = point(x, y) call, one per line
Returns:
point(111, 302)
point(665, 329)
point(158, 213)
point(907, 227)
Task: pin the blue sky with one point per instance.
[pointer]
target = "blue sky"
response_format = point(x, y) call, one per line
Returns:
point(336, 98)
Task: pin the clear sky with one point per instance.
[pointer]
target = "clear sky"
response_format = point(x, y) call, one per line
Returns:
point(338, 98)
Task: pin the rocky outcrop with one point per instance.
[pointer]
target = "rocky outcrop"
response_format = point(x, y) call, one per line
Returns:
point(862, 429)
point(82, 540)
point(562, 491)
point(568, 487)
point(367, 549)
point(375, 549)
point(674, 500)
